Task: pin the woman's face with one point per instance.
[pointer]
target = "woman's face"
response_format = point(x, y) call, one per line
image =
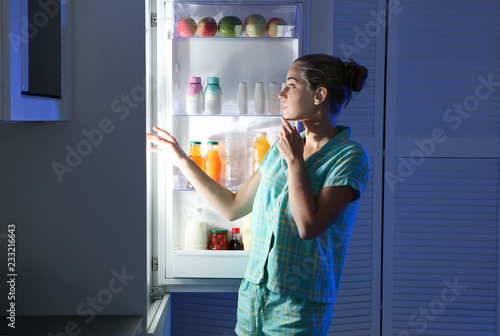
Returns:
point(296, 99)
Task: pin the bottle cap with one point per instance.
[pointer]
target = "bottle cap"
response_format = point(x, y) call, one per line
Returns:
point(194, 80)
point(235, 230)
point(212, 142)
point(218, 230)
point(235, 119)
point(261, 134)
point(213, 80)
point(243, 84)
point(259, 84)
point(195, 143)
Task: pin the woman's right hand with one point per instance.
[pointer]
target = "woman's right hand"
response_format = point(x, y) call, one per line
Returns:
point(168, 144)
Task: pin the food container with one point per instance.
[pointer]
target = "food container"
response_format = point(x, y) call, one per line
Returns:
point(218, 240)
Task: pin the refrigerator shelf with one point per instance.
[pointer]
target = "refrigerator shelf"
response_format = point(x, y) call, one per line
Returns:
point(210, 264)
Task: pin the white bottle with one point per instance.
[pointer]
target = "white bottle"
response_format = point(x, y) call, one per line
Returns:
point(242, 98)
point(283, 86)
point(274, 101)
point(213, 96)
point(259, 98)
point(195, 236)
point(235, 155)
point(194, 96)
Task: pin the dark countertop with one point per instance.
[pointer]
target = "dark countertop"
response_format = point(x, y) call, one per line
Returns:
point(73, 326)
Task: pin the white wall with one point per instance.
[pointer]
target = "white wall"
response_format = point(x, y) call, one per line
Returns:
point(72, 234)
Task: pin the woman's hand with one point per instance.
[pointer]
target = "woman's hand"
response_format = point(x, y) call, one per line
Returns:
point(167, 143)
point(290, 143)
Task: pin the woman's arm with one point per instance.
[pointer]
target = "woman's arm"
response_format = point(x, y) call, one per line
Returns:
point(312, 216)
point(231, 206)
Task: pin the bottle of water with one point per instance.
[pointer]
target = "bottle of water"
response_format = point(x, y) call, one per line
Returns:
point(235, 155)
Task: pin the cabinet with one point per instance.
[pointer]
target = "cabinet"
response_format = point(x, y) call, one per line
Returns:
point(233, 59)
point(35, 71)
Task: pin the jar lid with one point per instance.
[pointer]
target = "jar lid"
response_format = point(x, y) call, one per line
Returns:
point(213, 143)
point(218, 230)
point(213, 80)
point(195, 142)
point(235, 230)
point(194, 80)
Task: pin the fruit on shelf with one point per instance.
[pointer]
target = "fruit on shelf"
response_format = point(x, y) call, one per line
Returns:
point(207, 27)
point(230, 26)
point(255, 25)
point(276, 27)
point(186, 27)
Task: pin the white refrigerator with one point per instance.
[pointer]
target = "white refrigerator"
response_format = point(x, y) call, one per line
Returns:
point(172, 59)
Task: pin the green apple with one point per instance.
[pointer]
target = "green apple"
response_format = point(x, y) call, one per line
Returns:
point(255, 25)
point(230, 26)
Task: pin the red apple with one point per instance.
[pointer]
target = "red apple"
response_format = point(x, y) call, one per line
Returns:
point(207, 27)
point(186, 27)
point(255, 25)
point(276, 27)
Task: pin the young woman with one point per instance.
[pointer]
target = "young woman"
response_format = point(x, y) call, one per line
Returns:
point(304, 200)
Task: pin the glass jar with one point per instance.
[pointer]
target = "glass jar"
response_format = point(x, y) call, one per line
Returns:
point(212, 164)
point(218, 240)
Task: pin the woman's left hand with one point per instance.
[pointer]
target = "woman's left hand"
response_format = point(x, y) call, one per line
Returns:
point(290, 143)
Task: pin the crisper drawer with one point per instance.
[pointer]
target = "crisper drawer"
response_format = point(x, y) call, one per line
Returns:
point(210, 264)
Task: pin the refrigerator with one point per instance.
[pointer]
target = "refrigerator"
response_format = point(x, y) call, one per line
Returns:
point(172, 59)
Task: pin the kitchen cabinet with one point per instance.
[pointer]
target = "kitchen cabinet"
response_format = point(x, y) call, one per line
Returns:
point(35, 72)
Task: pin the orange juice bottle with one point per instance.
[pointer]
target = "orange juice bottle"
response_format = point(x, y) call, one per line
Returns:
point(212, 164)
point(195, 155)
point(260, 148)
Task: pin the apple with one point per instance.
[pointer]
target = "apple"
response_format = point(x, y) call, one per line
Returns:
point(186, 27)
point(255, 25)
point(230, 26)
point(207, 27)
point(276, 27)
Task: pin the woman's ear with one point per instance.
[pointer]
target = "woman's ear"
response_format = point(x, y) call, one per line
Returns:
point(320, 95)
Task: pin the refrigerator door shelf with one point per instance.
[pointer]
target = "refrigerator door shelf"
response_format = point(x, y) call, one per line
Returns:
point(210, 264)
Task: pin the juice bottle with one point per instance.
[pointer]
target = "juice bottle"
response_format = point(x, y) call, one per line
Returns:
point(195, 155)
point(260, 148)
point(212, 164)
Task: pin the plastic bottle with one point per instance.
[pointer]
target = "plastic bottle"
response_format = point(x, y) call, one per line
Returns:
point(195, 155)
point(260, 148)
point(259, 98)
point(236, 243)
point(235, 155)
point(213, 96)
point(283, 86)
point(274, 101)
point(212, 163)
point(194, 96)
point(195, 236)
point(242, 98)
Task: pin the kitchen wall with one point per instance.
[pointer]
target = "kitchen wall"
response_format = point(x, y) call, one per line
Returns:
point(81, 227)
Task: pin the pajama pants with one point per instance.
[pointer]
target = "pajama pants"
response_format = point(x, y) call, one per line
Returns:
point(262, 312)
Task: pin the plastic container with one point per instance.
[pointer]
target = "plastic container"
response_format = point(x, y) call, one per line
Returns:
point(195, 155)
point(260, 148)
point(194, 96)
point(273, 106)
point(235, 154)
point(195, 236)
point(236, 243)
point(259, 98)
point(218, 240)
point(246, 228)
point(212, 163)
point(242, 98)
point(213, 96)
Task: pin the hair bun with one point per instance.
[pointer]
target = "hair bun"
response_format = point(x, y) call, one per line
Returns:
point(354, 75)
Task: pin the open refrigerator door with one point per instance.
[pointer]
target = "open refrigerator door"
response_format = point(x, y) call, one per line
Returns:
point(236, 53)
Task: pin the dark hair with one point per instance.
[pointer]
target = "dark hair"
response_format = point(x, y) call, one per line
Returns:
point(339, 78)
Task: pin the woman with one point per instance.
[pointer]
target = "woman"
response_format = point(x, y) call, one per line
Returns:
point(304, 199)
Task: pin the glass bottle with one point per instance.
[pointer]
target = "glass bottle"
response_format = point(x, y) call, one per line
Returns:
point(213, 96)
point(235, 243)
point(195, 155)
point(212, 164)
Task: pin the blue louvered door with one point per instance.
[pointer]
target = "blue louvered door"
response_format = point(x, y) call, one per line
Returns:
point(441, 178)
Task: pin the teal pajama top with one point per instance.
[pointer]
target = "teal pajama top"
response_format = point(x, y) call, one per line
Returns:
point(305, 269)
